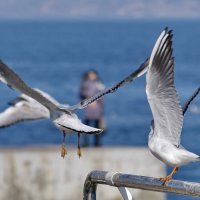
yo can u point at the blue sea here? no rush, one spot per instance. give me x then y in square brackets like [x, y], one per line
[53, 55]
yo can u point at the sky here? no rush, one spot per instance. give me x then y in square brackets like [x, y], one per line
[99, 9]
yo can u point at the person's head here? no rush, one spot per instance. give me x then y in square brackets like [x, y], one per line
[91, 75]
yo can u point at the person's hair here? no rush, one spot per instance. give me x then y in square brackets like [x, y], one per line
[86, 74]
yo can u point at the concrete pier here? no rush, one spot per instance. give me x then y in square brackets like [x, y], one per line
[39, 173]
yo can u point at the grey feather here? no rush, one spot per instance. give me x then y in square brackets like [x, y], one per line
[161, 92]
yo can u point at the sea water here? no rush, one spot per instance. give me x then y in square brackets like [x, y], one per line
[53, 55]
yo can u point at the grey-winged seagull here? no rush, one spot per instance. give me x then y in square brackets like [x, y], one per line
[164, 138]
[63, 117]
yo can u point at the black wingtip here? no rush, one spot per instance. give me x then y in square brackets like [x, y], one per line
[169, 31]
[185, 107]
[10, 103]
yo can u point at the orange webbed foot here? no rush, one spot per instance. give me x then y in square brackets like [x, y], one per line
[169, 177]
[79, 152]
[63, 147]
[63, 151]
[165, 179]
[79, 148]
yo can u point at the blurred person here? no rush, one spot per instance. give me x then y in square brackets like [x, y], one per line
[94, 113]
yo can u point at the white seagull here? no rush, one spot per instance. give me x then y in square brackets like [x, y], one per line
[62, 116]
[164, 137]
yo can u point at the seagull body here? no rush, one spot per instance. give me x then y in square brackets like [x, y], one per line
[62, 116]
[171, 154]
[164, 137]
[71, 123]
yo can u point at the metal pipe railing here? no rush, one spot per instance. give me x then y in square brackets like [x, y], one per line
[139, 182]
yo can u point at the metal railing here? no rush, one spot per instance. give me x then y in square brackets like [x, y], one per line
[139, 182]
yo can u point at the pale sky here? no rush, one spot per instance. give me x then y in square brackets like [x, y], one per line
[99, 9]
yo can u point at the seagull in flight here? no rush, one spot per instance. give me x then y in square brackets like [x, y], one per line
[164, 138]
[62, 116]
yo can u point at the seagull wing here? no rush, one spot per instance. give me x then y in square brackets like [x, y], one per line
[24, 108]
[16, 100]
[185, 107]
[10, 116]
[19, 112]
[161, 92]
[9, 77]
[137, 73]
[47, 96]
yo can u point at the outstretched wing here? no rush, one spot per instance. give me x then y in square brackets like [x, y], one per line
[48, 96]
[24, 108]
[185, 107]
[137, 73]
[9, 77]
[15, 114]
[161, 92]
[10, 116]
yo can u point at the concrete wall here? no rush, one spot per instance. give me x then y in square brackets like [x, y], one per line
[41, 174]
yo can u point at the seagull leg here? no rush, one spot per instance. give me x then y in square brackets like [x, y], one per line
[79, 148]
[63, 148]
[169, 177]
